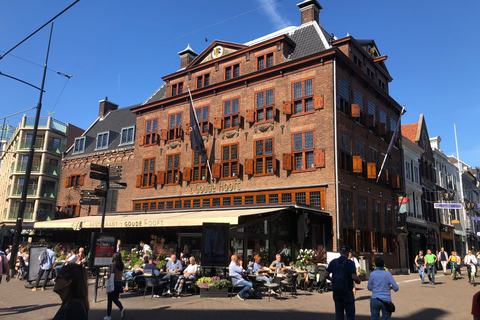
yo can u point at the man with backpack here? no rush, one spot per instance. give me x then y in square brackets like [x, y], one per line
[47, 259]
[343, 275]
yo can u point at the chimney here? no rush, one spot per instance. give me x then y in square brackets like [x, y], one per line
[187, 56]
[309, 10]
[435, 142]
[105, 107]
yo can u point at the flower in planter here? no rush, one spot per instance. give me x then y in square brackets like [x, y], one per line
[303, 255]
[212, 282]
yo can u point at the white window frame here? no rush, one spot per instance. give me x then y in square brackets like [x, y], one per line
[99, 135]
[75, 145]
[125, 130]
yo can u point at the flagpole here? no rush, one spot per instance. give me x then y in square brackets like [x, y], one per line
[390, 146]
[198, 126]
[460, 174]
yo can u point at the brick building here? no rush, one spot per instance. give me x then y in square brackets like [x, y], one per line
[297, 117]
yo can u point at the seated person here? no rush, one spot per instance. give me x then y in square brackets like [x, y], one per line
[81, 258]
[188, 273]
[261, 271]
[236, 273]
[251, 261]
[139, 278]
[71, 258]
[310, 274]
[278, 265]
[173, 265]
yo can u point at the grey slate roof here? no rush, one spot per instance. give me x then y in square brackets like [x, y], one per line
[113, 123]
[158, 95]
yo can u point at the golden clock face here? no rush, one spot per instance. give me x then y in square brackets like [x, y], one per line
[217, 52]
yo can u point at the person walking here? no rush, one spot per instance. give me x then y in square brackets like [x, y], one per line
[470, 261]
[380, 283]
[116, 267]
[420, 264]
[443, 257]
[47, 259]
[71, 284]
[430, 260]
[454, 267]
[343, 275]
[357, 267]
[4, 267]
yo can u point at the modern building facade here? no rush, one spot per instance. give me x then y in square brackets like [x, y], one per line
[49, 146]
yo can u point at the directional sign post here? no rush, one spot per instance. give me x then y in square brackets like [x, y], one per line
[447, 205]
[91, 201]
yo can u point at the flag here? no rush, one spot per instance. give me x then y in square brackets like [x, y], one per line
[196, 140]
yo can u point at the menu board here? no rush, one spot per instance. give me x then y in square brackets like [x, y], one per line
[103, 247]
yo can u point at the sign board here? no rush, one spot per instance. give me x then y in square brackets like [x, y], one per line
[215, 244]
[91, 201]
[87, 193]
[115, 177]
[478, 205]
[103, 247]
[475, 218]
[447, 206]
[118, 186]
[99, 168]
[332, 255]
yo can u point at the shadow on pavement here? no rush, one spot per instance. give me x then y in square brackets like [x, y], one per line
[165, 312]
[25, 309]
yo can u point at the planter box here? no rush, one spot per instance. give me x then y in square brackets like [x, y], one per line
[214, 293]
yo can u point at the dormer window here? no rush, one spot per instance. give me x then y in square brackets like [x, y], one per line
[102, 140]
[177, 88]
[128, 135]
[79, 145]
[265, 61]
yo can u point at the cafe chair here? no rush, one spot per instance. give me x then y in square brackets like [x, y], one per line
[190, 283]
[152, 281]
[272, 286]
[290, 282]
[239, 287]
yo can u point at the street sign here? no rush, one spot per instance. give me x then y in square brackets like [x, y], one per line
[115, 177]
[87, 193]
[98, 176]
[118, 186]
[91, 201]
[475, 218]
[100, 193]
[99, 168]
[447, 206]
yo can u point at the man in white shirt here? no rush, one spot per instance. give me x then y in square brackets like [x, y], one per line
[145, 247]
[443, 257]
[470, 261]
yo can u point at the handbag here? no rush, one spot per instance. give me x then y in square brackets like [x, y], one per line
[110, 283]
[389, 306]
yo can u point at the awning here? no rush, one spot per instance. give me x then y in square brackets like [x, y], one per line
[148, 220]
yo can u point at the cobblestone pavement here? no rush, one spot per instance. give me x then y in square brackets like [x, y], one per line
[446, 300]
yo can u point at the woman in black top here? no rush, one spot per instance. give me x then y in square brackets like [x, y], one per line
[420, 264]
[72, 287]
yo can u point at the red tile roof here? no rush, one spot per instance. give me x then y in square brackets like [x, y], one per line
[409, 131]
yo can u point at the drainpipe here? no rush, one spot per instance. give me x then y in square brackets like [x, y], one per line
[337, 206]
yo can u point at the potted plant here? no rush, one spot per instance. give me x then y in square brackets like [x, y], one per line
[361, 275]
[213, 287]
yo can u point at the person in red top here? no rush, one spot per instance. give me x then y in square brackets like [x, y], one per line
[476, 306]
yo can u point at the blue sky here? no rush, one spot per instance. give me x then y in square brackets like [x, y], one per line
[121, 49]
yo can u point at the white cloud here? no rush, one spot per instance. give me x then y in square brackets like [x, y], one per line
[274, 16]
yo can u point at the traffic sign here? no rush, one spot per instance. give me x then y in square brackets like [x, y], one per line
[100, 192]
[447, 206]
[91, 201]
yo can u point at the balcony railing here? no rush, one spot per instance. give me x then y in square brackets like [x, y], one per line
[57, 148]
[18, 188]
[26, 144]
[13, 213]
[49, 193]
[43, 123]
[22, 166]
[53, 170]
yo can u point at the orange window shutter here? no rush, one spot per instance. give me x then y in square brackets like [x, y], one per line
[216, 170]
[67, 182]
[77, 211]
[81, 180]
[287, 161]
[187, 129]
[250, 116]
[154, 138]
[371, 170]
[163, 134]
[287, 107]
[318, 102]
[274, 164]
[319, 158]
[179, 132]
[357, 164]
[249, 166]
[217, 123]
[138, 182]
[141, 141]
[187, 174]
[161, 177]
[370, 121]
[355, 110]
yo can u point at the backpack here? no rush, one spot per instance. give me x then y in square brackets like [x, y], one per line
[339, 280]
[43, 257]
